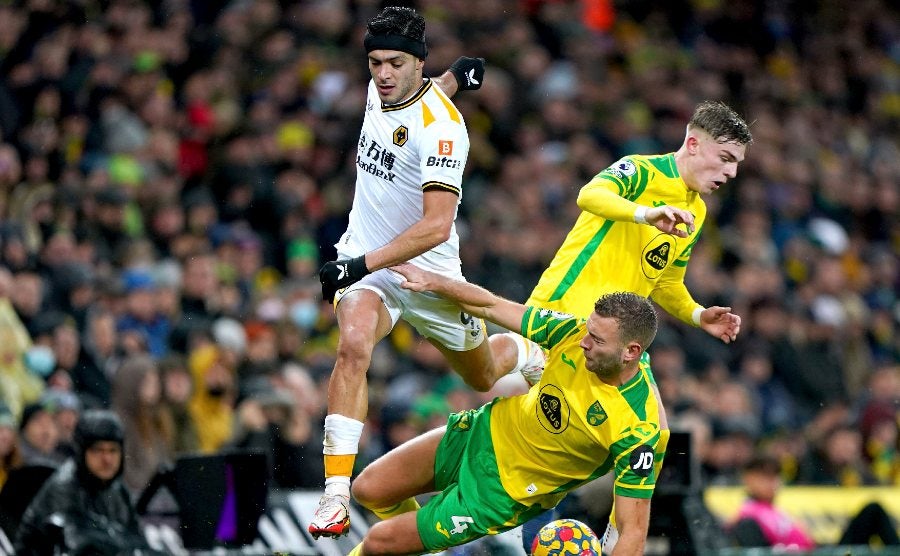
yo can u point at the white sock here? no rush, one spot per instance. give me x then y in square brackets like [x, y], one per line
[522, 347]
[338, 486]
[342, 435]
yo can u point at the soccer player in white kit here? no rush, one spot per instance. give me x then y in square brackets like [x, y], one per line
[411, 154]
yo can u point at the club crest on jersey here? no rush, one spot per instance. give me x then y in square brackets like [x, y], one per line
[553, 409]
[401, 135]
[657, 255]
[596, 415]
[445, 148]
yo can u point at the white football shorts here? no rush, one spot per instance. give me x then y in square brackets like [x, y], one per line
[430, 314]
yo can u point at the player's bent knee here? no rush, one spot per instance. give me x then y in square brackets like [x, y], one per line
[379, 540]
[364, 491]
[355, 348]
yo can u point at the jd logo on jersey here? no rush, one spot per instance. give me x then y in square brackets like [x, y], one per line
[401, 135]
[656, 255]
[553, 409]
[596, 415]
[641, 460]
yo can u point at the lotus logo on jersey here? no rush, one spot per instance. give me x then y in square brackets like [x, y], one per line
[657, 255]
[401, 135]
[596, 415]
[553, 409]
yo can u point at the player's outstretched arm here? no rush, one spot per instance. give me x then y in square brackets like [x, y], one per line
[472, 298]
[465, 74]
[596, 198]
[632, 522]
[721, 323]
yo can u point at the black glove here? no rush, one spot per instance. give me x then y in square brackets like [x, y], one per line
[335, 275]
[469, 73]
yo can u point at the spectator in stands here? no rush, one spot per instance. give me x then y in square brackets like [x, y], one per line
[212, 401]
[137, 399]
[759, 523]
[18, 386]
[40, 437]
[100, 358]
[10, 455]
[84, 506]
[177, 389]
[270, 419]
[143, 324]
[66, 408]
[837, 459]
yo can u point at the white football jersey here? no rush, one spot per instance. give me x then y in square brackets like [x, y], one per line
[404, 150]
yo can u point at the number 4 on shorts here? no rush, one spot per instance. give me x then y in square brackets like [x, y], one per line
[460, 523]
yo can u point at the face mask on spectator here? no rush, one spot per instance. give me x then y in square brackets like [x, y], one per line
[216, 390]
[40, 360]
[304, 313]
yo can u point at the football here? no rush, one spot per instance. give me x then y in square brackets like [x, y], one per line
[565, 537]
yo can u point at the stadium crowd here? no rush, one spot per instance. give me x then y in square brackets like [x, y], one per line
[173, 173]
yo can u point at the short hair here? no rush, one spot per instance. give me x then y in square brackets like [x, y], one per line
[398, 20]
[721, 122]
[634, 314]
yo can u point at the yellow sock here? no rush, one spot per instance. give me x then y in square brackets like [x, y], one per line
[339, 465]
[357, 551]
[408, 505]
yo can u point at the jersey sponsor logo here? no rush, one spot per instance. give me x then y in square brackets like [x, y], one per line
[641, 460]
[401, 135]
[372, 168]
[657, 255]
[596, 415]
[445, 147]
[553, 409]
[443, 162]
[374, 159]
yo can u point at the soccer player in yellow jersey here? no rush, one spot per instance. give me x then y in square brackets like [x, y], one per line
[640, 219]
[593, 411]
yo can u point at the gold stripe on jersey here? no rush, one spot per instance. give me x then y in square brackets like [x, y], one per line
[427, 116]
[454, 113]
[436, 185]
[426, 86]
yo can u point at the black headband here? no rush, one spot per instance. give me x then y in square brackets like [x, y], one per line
[395, 42]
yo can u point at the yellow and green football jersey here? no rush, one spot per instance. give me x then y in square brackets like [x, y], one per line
[572, 427]
[601, 256]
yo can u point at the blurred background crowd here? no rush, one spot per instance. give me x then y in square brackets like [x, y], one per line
[173, 173]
